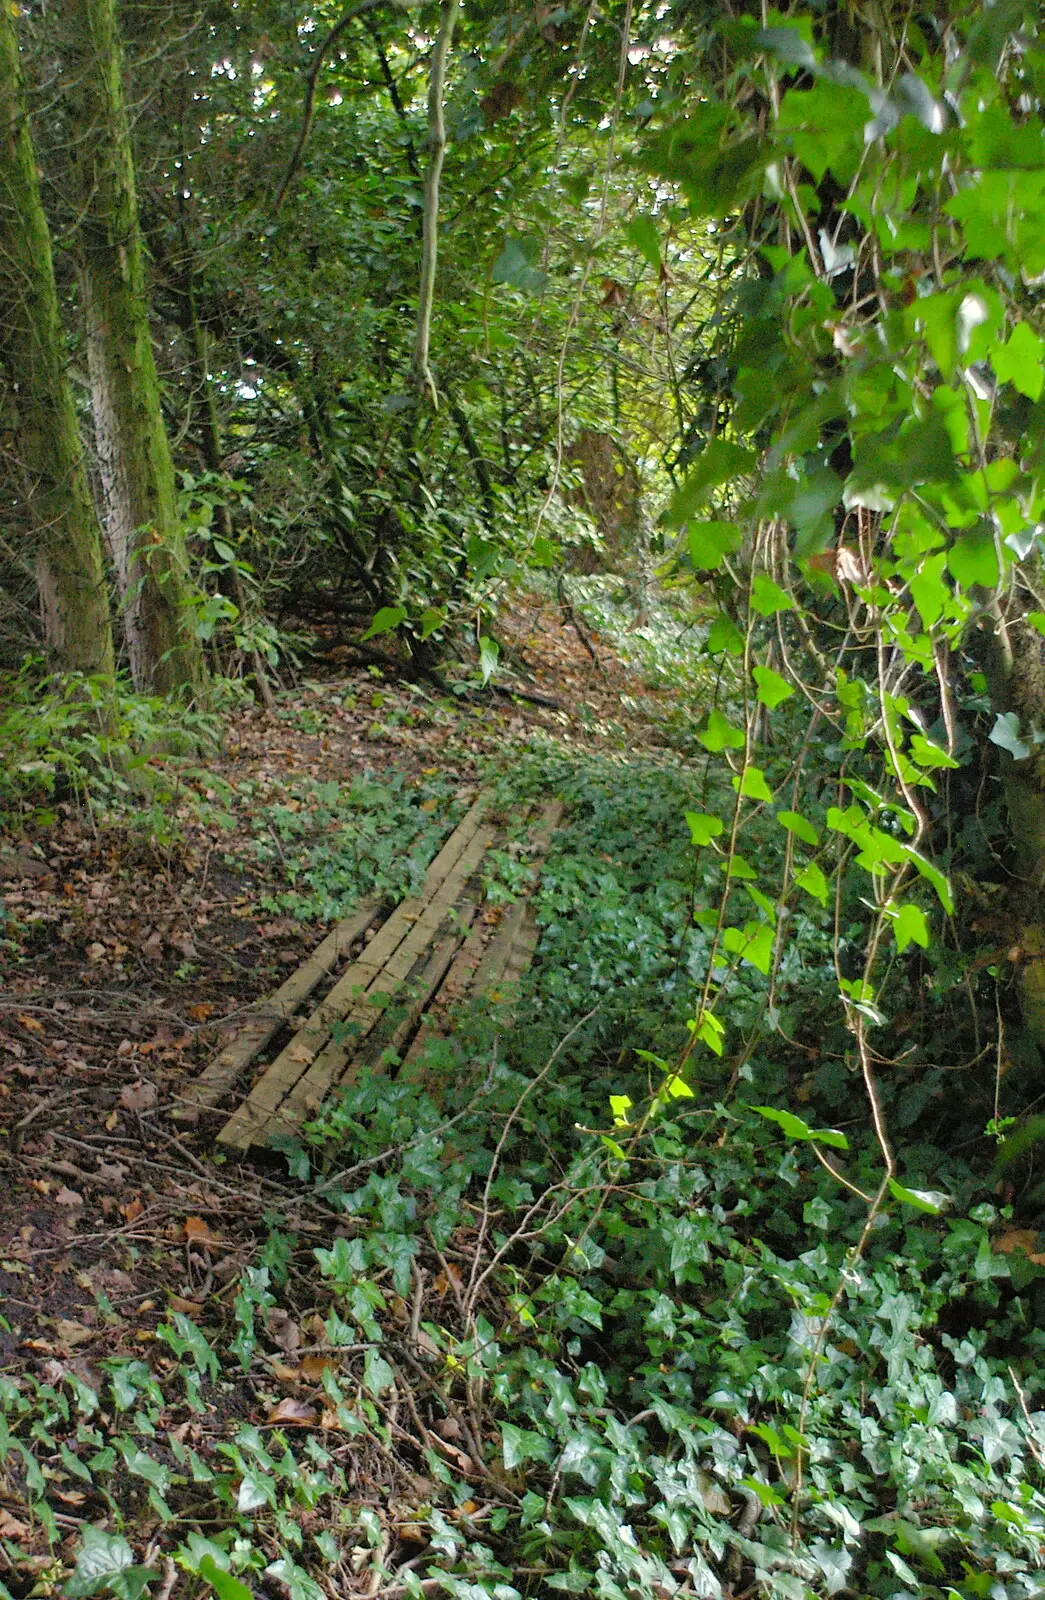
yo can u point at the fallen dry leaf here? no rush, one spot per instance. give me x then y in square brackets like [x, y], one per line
[312, 1368]
[283, 1330]
[68, 1197]
[461, 1461]
[72, 1332]
[190, 1308]
[11, 1528]
[1024, 1240]
[138, 1096]
[133, 1209]
[452, 1275]
[294, 1412]
[111, 1173]
[198, 1232]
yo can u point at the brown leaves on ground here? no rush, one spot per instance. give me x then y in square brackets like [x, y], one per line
[293, 1413]
[138, 1096]
[1022, 1241]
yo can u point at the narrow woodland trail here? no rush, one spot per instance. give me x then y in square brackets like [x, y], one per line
[126, 959]
[127, 1233]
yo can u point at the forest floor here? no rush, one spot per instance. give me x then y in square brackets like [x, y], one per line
[124, 957]
[540, 1321]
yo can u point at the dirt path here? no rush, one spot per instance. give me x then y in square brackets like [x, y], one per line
[123, 959]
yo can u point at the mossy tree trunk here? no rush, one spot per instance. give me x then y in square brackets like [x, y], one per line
[69, 566]
[134, 458]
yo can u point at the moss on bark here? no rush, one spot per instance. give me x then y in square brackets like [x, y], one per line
[134, 458]
[69, 565]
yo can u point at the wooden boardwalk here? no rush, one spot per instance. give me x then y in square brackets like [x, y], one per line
[402, 974]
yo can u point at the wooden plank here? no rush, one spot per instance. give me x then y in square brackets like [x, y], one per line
[297, 1069]
[451, 850]
[265, 1019]
[484, 962]
[341, 1063]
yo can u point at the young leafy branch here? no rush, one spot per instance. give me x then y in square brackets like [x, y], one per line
[430, 245]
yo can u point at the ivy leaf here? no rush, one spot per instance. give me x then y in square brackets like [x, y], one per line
[724, 637]
[620, 1105]
[753, 943]
[718, 462]
[387, 618]
[931, 874]
[489, 652]
[768, 598]
[772, 688]
[795, 1128]
[515, 266]
[1019, 361]
[710, 542]
[225, 1586]
[519, 1445]
[720, 734]
[930, 755]
[703, 827]
[752, 784]
[643, 234]
[105, 1561]
[256, 1490]
[909, 925]
[928, 590]
[377, 1374]
[710, 1031]
[800, 826]
[932, 1201]
[1006, 734]
[973, 559]
[812, 880]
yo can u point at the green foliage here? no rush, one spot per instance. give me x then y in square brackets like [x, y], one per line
[329, 845]
[99, 745]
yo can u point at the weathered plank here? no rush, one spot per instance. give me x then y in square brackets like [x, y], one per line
[386, 960]
[264, 1020]
[328, 1067]
[486, 963]
[433, 952]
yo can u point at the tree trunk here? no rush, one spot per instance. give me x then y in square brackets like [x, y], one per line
[69, 568]
[134, 458]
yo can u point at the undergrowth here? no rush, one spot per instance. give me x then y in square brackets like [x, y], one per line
[95, 743]
[568, 1330]
[545, 1315]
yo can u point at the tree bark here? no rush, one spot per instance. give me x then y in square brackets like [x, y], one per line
[69, 566]
[134, 459]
